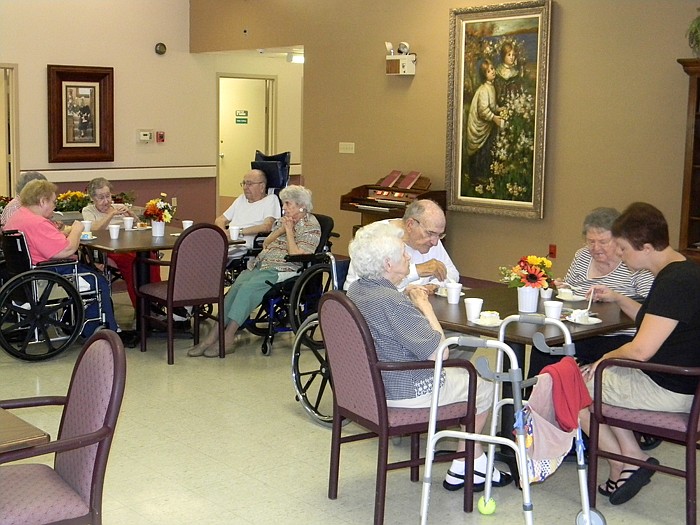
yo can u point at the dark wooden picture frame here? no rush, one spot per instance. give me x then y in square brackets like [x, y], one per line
[81, 113]
[497, 107]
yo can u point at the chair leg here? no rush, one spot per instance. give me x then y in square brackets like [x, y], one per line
[380, 488]
[415, 454]
[691, 495]
[143, 307]
[171, 344]
[335, 456]
[222, 329]
[593, 437]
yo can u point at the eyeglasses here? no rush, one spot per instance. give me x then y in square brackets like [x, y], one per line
[603, 243]
[432, 234]
[103, 196]
[247, 183]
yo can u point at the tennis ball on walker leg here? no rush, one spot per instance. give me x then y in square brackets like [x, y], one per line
[486, 507]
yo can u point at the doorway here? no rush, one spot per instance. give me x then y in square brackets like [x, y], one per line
[246, 124]
[9, 131]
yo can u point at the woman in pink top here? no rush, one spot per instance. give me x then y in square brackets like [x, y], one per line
[46, 242]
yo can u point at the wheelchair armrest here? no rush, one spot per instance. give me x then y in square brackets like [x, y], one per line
[306, 258]
[154, 261]
[56, 262]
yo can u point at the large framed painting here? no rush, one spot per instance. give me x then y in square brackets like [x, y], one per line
[497, 108]
[81, 113]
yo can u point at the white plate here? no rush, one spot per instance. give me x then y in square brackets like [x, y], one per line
[92, 238]
[491, 324]
[591, 320]
[573, 298]
[442, 292]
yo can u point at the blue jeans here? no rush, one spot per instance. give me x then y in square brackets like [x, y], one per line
[92, 309]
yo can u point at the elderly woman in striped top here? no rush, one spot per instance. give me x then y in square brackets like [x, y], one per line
[598, 263]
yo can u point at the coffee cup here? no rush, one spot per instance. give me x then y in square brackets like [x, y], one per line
[235, 232]
[113, 231]
[453, 292]
[552, 309]
[187, 224]
[128, 223]
[87, 226]
[473, 306]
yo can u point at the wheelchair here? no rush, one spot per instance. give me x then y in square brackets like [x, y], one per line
[41, 311]
[311, 374]
[287, 304]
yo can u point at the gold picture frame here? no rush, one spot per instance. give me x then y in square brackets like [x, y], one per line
[81, 113]
[497, 107]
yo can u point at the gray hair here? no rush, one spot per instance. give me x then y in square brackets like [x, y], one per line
[373, 246]
[299, 195]
[418, 208]
[26, 177]
[600, 219]
[97, 184]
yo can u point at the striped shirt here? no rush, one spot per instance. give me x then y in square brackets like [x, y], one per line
[307, 234]
[621, 279]
[400, 332]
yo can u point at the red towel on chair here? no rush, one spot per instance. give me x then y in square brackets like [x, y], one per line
[569, 392]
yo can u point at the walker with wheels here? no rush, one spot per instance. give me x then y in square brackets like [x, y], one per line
[486, 503]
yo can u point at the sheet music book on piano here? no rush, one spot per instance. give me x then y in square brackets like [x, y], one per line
[391, 179]
[409, 180]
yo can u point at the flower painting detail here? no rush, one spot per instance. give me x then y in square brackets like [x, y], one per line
[497, 155]
[499, 58]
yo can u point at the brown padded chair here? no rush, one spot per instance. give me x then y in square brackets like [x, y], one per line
[360, 397]
[70, 493]
[196, 279]
[678, 428]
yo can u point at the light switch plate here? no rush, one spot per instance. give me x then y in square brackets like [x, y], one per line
[346, 147]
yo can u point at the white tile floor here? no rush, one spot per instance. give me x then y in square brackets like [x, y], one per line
[222, 441]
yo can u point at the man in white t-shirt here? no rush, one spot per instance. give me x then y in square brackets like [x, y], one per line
[423, 225]
[254, 212]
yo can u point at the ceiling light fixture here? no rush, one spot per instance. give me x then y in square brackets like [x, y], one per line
[294, 58]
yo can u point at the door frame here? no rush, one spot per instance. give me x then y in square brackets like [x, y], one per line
[10, 120]
[270, 120]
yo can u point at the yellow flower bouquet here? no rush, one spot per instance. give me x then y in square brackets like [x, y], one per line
[159, 209]
[531, 271]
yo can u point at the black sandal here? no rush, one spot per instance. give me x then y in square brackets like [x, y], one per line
[607, 489]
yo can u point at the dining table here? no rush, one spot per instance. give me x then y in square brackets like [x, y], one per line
[16, 433]
[141, 241]
[504, 300]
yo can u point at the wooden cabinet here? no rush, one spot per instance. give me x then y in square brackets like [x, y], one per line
[689, 243]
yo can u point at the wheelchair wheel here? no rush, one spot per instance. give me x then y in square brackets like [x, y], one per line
[311, 374]
[307, 291]
[41, 314]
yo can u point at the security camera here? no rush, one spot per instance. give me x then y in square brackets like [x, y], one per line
[389, 48]
[403, 48]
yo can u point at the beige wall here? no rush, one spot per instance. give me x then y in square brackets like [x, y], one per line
[176, 92]
[616, 114]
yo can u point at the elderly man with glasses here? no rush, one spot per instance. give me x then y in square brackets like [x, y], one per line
[423, 226]
[254, 212]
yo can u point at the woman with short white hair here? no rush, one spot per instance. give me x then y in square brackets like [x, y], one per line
[404, 328]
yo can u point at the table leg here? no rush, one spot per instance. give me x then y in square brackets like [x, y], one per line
[141, 277]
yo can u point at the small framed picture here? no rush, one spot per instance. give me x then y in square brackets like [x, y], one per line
[81, 113]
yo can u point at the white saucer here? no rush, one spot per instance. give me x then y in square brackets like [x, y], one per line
[442, 292]
[491, 324]
[591, 320]
[572, 299]
[92, 238]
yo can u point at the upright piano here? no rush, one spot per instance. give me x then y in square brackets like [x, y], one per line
[388, 198]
